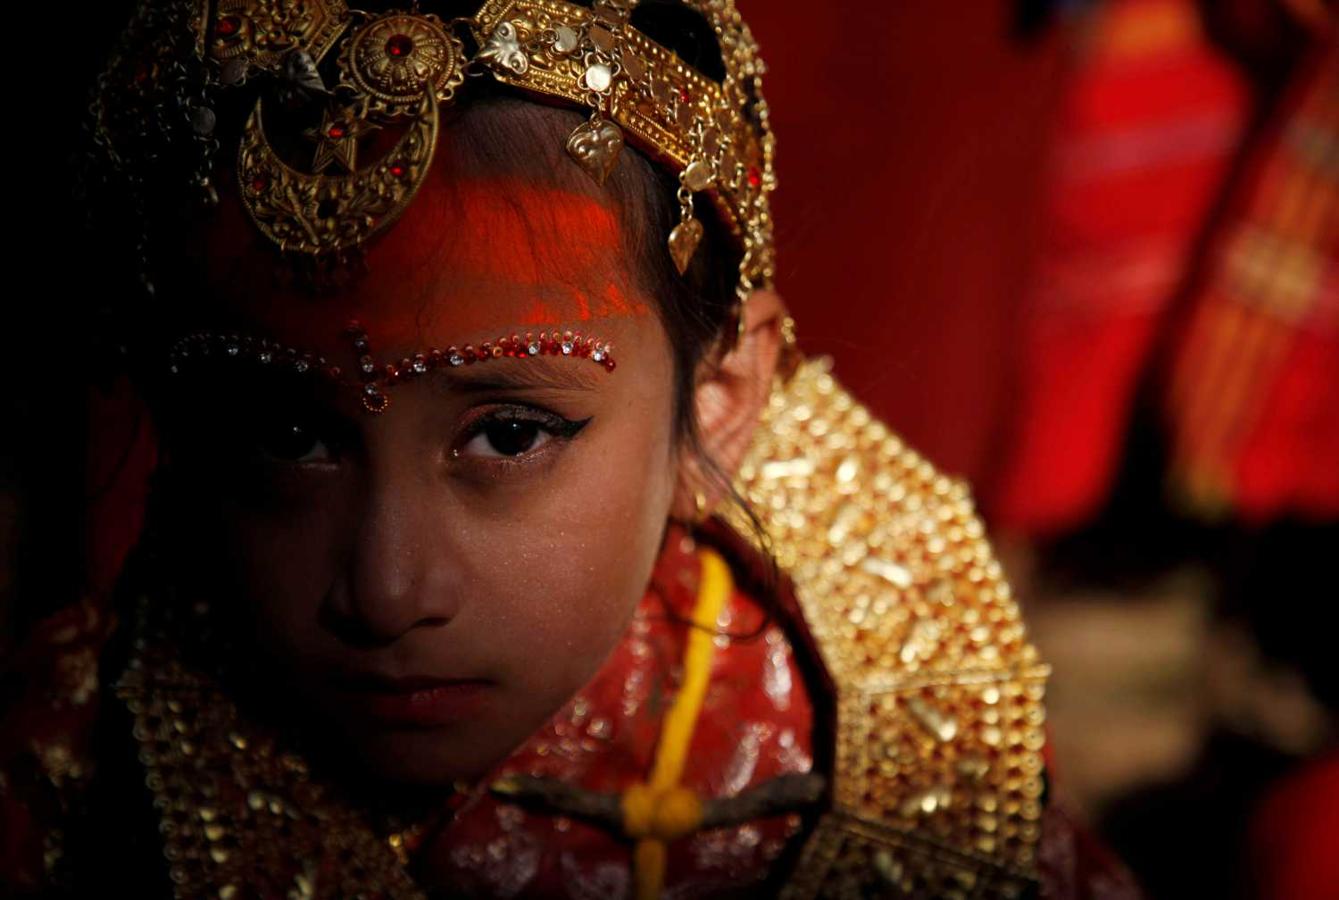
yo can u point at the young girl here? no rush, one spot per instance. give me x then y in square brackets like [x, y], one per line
[502, 543]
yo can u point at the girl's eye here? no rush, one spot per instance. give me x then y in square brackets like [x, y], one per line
[292, 441]
[509, 436]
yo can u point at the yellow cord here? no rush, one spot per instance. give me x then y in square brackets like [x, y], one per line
[660, 811]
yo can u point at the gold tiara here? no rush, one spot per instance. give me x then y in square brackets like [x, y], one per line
[394, 71]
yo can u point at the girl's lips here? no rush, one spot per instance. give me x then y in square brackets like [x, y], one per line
[416, 702]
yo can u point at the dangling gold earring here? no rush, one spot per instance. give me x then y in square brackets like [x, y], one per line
[700, 502]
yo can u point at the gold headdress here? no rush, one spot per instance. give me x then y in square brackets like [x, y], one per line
[348, 74]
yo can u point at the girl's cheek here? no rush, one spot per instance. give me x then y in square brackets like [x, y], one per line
[285, 566]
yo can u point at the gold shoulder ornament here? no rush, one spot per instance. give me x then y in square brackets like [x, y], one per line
[937, 786]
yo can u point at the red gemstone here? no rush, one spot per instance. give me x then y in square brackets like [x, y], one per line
[399, 45]
[227, 26]
[755, 177]
[684, 96]
[336, 131]
[609, 364]
[398, 169]
[259, 183]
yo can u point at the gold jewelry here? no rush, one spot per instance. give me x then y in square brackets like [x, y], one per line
[937, 780]
[700, 505]
[395, 70]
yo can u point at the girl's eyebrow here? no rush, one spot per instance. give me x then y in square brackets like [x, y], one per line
[528, 373]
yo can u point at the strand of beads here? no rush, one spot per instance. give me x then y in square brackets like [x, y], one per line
[377, 377]
[204, 345]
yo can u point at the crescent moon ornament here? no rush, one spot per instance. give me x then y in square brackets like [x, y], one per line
[320, 214]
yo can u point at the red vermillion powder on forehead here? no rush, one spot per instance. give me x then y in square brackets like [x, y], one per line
[469, 256]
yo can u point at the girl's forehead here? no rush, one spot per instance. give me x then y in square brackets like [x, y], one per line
[471, 258]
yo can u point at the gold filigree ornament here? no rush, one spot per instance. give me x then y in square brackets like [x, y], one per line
[503, 48]
[256, 35]
[318, 213]
[337, 139]
[716, 134]
[595, 146]
[389, 61]
[398, 68]
[158, 103]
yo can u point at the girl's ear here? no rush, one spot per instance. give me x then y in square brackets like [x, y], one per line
[728, 400]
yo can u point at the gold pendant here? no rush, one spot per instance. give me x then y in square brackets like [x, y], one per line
[595, 145]
[317, 213]
[683, 241]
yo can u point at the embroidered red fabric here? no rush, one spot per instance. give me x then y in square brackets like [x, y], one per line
[756, 723]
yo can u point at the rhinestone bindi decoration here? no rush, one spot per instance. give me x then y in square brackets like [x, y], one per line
[376, 376]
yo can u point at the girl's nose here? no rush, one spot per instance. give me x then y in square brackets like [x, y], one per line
[398, 577]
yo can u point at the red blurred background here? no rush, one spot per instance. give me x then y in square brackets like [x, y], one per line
[994, 221]
[1086, 255]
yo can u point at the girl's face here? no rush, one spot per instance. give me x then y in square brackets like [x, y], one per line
[433, 582]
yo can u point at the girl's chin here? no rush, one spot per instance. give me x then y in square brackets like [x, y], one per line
[439, 757]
